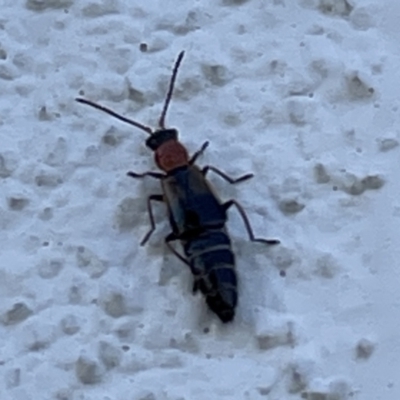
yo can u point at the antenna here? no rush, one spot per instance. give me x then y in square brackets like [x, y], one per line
[178, 61]
[115, 115]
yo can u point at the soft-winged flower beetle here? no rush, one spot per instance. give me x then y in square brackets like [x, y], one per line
[196, 215]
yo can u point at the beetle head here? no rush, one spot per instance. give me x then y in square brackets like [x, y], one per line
[160, 137]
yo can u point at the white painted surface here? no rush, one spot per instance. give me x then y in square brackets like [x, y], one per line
[304, 93]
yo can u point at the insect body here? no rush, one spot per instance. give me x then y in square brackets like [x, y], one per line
[196, 215]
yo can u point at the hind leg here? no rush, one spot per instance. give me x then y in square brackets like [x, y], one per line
[247, 223]
[170, 238]
[195, 286]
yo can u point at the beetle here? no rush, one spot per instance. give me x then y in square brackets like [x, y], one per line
[196, 214]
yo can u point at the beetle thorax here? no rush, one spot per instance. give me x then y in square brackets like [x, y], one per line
[170, 155]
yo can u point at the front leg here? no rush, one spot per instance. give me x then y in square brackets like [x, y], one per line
[156, 175]
[153, 197]
[198, 153]
[232, 181]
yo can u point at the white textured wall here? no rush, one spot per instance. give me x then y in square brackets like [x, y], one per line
[304, 93]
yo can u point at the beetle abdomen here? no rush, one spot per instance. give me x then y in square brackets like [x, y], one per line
[222, 298]
[213, 266]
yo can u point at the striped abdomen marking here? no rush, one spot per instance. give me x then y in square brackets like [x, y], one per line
[213, 266]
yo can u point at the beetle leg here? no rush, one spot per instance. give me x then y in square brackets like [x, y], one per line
[156, 175]
[198, 153]
[247, 223]
[195, 287]
[170, 238]
[225, 176]
[153, 197]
